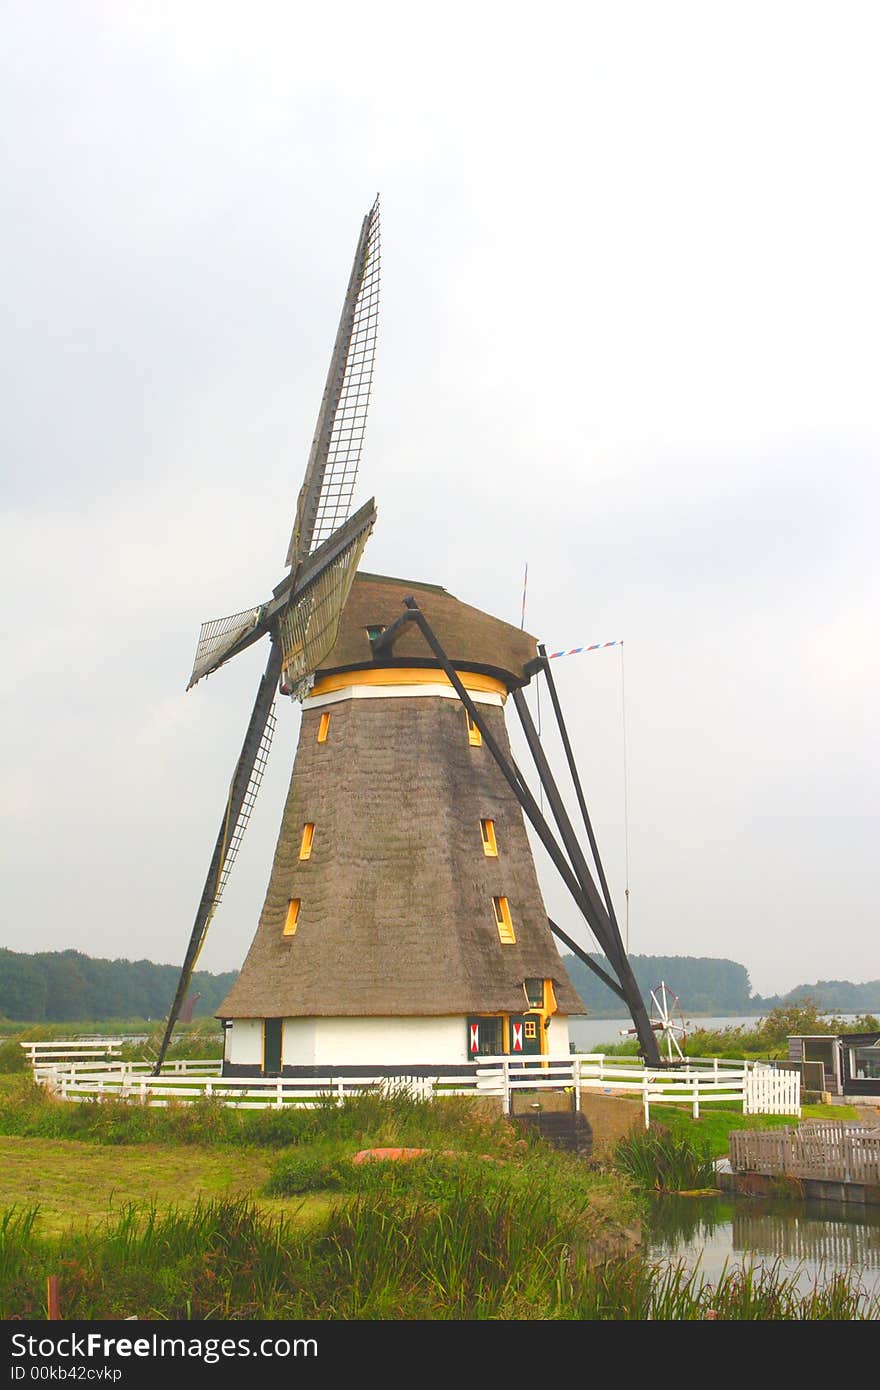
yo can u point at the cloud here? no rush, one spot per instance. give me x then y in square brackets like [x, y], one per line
[629, 301]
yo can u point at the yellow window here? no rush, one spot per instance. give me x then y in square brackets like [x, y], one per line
[305, 844]
[324, 726]
[487, 831]
[531, 1029]
[503, 922]
[292, 917]
[474, 736]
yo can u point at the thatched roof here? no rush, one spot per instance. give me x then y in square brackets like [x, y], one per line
[396, 912]
[473, 640]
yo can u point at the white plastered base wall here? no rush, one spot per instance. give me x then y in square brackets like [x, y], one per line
[389, 1042]
[243, 1042]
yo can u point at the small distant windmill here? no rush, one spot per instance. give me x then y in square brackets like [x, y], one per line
[667, 1021]
[403, 923]
[301, 617]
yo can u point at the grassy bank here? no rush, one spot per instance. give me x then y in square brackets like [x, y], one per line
[713, 1128]
[203, 1212]
[479, 1252]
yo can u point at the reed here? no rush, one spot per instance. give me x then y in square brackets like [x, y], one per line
[664, 1161]
[478, 1253]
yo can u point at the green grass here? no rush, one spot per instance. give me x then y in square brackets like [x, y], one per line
[372, 1119]
[716, 1121]
[73, 1188]
[480, 1253]
[204, 1212]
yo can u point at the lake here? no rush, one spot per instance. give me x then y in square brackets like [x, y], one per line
[809, 1240]
[586, 1033]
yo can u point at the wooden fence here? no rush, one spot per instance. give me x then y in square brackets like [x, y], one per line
[693, 1085]
[827, 1149]
[48, 1057]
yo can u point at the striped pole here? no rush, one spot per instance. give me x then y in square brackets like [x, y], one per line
[573, 651]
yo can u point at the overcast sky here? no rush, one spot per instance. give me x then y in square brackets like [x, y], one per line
[629, 336]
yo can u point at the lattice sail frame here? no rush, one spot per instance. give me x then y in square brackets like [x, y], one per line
[310, 624]
[220, 635]
[235, 833]
[324, 502]
[350, 420]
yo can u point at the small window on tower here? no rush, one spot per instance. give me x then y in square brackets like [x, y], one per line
[474, 736]
[292, 917]
[490, 846]
[534, 993]
[503, 921]
[305, 844]
[324, 726]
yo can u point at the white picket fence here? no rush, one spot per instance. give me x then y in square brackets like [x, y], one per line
[760, 1089]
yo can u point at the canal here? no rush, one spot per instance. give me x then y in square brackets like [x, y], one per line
[808, 1241]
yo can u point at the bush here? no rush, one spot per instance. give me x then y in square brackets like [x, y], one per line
[12, 1057]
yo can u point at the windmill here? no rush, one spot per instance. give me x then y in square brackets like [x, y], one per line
[403, 925]
[667, 1021]
[302, 615]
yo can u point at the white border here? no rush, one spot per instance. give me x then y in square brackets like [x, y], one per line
[397, 692]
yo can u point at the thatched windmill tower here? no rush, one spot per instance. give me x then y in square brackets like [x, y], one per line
[403, 924]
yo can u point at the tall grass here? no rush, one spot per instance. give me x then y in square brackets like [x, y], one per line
[665, 1162]
[373, 1119]
[477, 1253]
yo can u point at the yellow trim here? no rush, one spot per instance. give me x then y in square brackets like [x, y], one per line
[548, 1008]
[292, 917]
[487, 834]
[324, 726]
[407, 675]
[503, 922]
[475, 738]
[305, 844]
[550, 1005]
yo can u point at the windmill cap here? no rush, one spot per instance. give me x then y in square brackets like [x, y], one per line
[473, 640]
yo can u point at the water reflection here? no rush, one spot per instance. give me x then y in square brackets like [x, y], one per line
[809, 1239]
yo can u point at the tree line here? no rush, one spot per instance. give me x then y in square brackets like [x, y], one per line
[707, 985]
[67, 986]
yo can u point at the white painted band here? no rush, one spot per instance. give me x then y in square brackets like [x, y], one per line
[397, 692]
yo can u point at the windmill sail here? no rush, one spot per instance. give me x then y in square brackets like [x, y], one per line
[325, 497]
[219, 639]
[310, 622]
[302, 616]
[242, 794]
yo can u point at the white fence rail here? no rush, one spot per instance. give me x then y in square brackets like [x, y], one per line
[105, 1056]
[759, 1089]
